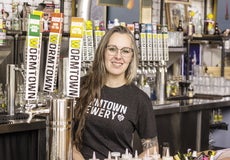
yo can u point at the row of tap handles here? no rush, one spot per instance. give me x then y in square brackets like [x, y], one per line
[148, 69]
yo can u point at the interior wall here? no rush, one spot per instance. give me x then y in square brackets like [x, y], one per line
[221, 137]
[124, 14]
[221, 13]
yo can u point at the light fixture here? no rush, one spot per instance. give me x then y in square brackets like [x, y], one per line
[130, 4]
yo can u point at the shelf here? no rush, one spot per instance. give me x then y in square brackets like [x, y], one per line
[177, 49]
[215, 41]
[222, 126]
[211, 37]
[175, 54]
[24, 33]
[227, 51]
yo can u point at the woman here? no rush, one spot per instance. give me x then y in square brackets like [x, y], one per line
[110, 107]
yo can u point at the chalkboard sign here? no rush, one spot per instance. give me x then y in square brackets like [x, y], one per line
[119, 3]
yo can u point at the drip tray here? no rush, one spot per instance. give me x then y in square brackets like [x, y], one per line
[16, 118]
[197, 96]
[5, 122]
[207, 96]
[8, 119]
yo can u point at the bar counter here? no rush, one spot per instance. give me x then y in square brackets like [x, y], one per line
[191, 104]
[185, 123]
[21, 126]
[182, 124]
[20, 139]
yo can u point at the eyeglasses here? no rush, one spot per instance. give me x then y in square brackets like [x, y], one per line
[125, 51]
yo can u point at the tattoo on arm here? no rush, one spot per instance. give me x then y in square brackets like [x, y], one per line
[149, 143]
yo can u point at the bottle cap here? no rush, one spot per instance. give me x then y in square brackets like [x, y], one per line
[94, 157]
[127, 155]
[109, 156]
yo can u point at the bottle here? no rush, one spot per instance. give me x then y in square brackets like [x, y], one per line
[215, 117]
[109, 157]
[94, 157]
[194, 154]
[191, 28]
[2, 30]
[219, 115]
[199, 26]
[217, 30]
[116, 155]
[136, 156]
[25, 14]
[180, 28]
[190, 91]
[167, 156]
[16, 19]
[2, 99]
[19, 98]
[126, 155]
[144, 85]
[116, 22]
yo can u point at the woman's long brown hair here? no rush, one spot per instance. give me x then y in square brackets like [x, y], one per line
[95, 79]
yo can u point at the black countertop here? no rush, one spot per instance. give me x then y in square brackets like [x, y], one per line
[8, 125]
[18, 123]
[192, 104]
[22, 125]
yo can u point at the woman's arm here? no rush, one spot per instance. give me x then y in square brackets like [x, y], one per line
[76, 154]
[150, 145]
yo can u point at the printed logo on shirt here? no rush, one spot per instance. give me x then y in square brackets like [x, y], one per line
[107, 109]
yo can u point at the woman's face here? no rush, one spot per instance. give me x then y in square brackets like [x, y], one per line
[118, 54]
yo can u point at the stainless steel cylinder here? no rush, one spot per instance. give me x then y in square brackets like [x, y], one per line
[60, 129]
[10, 80]
[62, 83]
[83, 10]
[161, 80]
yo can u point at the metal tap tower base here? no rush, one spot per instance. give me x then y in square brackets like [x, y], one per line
[59, 129]
[161, 71]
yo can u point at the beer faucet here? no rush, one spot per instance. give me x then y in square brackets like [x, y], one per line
[11, 80]
[36, 109]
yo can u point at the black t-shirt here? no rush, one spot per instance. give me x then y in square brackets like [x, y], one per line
[111, 121]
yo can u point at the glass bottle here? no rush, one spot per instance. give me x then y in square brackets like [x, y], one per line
[199, 25]
[16, 19]
[220, 115]
[19, 99]
[217, 31]
[25, 14]
[2, 30]
[180, 28]
[191, 28]
[2, 99]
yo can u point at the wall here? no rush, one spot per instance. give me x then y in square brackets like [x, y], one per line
[124, 14]
[221, 137]
[221, 11]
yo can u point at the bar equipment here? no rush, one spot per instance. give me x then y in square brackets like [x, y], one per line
[161, 71]
[57, 108]
[160, 57]
[183, 85]
[154, 56]
[84, 9]
[10, 79]
[60, 129]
